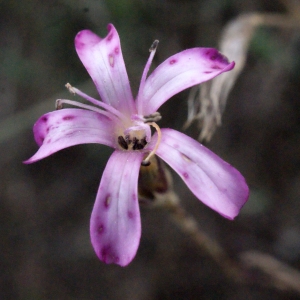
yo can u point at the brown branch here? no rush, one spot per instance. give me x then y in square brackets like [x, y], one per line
[252, 268]
[281, 275]
[208, 245]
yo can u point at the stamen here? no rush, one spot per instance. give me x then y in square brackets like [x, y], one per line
[154, 46]
[127, 139]
[146, 70]
[122, 142]
[155, 117]
[135, 142]
[146, 161]
[73, 90]
[70, 88]
[59, 105]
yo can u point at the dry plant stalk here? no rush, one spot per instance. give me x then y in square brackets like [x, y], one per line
[206, 104]
[242, 269]
[280, 275]
[276, 274]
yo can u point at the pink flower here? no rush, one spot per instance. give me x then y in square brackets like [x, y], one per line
[123, 123]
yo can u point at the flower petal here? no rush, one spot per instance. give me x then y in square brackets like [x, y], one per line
[216, 183]
[67, 127]
[104, 62]
[115, 222]
[179, 72]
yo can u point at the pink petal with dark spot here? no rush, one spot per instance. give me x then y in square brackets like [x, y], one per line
[104, 62]
[115, 222]
[60, 129]
[213, 181]
[179, 72]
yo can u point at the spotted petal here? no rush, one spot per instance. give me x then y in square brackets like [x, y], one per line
[179, 72]
[104, 62]
[115, 222]
[60, 129]
[216, 183]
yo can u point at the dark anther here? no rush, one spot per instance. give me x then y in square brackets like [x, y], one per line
[132, 144]
[58, 104]
[143, 142]
[127, 139]
[154, 45]
[135, 142]
[122, 142]
[145, 163]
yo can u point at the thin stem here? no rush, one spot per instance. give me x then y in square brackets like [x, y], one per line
[210, 246]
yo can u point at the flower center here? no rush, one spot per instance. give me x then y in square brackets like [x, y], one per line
[132, 143]
[137, 137]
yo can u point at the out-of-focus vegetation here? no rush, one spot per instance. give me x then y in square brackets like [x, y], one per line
[45, 207]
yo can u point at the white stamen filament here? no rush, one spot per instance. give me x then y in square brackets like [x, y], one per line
[60, 102]
[146, 70]
[107, 107]
[147, 159]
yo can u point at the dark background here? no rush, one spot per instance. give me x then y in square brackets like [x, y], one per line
[45, 251]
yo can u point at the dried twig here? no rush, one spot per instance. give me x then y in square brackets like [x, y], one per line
[207, 102]
[156, 191]
[280, 275]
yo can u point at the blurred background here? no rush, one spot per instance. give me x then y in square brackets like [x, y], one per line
[45, 250]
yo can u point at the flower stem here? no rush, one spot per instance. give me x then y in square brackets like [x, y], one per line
[210, 246]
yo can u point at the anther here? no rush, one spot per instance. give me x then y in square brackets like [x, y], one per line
[154, 46]
[58, 104]
[143, 142]
[135, 143]
[127, 139]
[155, 117]
[122, 142]
[70, 88]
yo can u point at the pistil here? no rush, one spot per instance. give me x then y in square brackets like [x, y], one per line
[146, 161]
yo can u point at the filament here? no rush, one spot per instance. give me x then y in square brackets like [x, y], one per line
[107, 107]
[59, 105]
